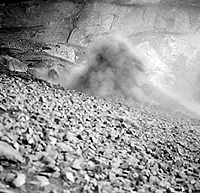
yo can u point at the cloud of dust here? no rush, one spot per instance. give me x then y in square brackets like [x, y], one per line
[112, 68]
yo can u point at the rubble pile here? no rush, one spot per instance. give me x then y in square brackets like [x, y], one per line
[58, 140]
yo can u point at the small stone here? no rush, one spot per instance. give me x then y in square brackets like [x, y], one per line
[61, 157]
[10, 177]
[63, 147]
[16, 146]
[154, 179]
[47, 160]
[87, 178]
[71, 137]
[91, 165]
[66, 191]
[43, 180]
[77, 164]
[142, 190]
[193, 181]
[112, 176]
[105, 188]
[116, 162]
[33, 157]
[56, 174]
[172, 190]
[9, 153]
[53, 140]
[31, 141]
[160, 191]
[70, 176]
[20, 180]
[1, 169]
[197, 186]
[32, 169]
[42, 99]
[164, 183]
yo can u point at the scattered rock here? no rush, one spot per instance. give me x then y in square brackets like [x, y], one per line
[20, 180]
[9, 153]
[9, 177]
[56, 174]
[43, 181]
[77, 164]
[1, 169]
[70, 176]
[101, 153]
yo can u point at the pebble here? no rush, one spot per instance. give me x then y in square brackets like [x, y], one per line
[20, 180]
[1, 169]
[70, 176]
[56, 174]
[10, 177]
[197, 185]
[77, 164]
[43, 181]
[9, 153]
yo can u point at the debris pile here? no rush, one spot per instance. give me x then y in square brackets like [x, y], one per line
[58, 140]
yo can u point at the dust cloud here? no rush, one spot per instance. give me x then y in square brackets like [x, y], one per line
[112, 68]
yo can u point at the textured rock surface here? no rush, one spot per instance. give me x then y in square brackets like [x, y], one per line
[76, 143]
[78, 22]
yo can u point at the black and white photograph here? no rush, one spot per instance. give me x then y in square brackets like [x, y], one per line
[100, 96]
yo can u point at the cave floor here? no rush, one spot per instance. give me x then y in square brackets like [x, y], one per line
[57, 140]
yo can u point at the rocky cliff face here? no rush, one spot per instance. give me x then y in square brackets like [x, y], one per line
[78, 22]
[165, 32]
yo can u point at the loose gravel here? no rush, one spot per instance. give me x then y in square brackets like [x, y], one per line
[64, 141]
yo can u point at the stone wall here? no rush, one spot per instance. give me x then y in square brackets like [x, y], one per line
[78, 22]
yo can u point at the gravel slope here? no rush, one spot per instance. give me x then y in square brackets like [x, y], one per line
[75, 143]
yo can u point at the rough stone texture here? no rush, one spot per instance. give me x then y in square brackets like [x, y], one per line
[77, 23]
[130, 20]
[89, 143]
[45, 21]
